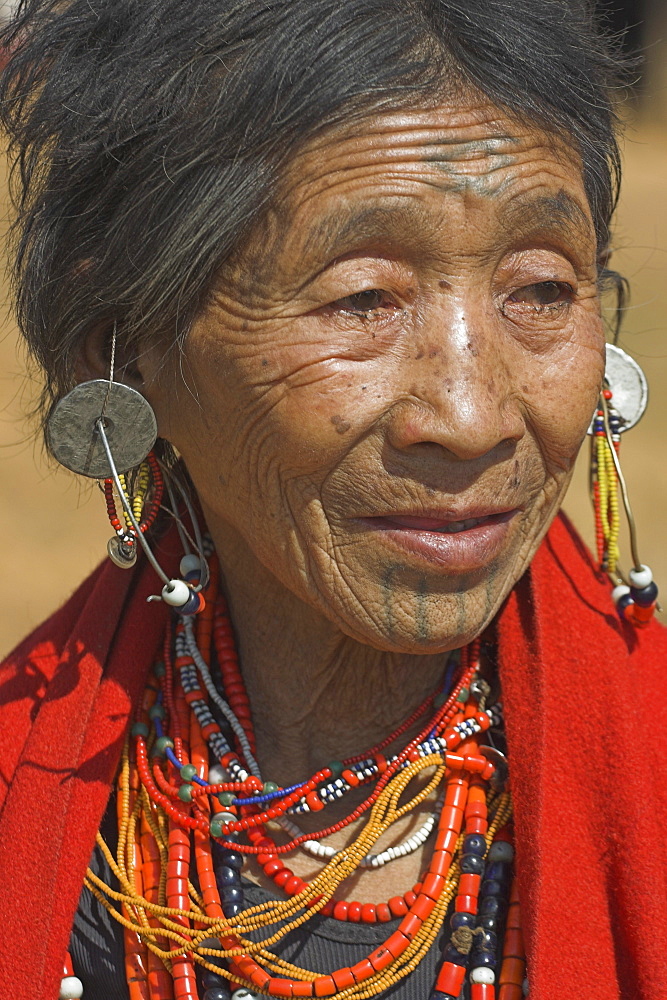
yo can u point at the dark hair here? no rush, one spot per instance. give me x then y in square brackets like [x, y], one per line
[148, 135]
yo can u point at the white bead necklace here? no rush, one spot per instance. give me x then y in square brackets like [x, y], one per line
[317, 849]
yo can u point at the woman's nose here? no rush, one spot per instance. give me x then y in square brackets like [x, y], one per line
[461, 395]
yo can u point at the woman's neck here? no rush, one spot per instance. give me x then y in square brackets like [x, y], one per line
[316, 694]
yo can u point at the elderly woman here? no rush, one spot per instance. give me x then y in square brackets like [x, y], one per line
[362, 720]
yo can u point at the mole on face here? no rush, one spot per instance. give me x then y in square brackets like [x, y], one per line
[342, 426]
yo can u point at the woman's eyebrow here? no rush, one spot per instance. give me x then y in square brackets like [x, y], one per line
[560, 213]
[333, 232]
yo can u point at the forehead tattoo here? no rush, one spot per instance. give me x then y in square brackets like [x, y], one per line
[487, 177]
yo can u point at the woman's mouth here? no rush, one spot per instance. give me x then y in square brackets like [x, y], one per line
[461, 544]
[443, 526]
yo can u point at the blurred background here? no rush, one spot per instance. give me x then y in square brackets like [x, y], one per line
[54, 526]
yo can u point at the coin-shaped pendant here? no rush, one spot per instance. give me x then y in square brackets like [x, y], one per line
[628, 386]
[121, 553]
[129, 424]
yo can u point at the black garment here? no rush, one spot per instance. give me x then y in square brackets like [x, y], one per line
[324, 944]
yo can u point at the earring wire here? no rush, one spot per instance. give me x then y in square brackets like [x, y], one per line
[170, 477]
[198, 541]
[127, 507]
[112, 365]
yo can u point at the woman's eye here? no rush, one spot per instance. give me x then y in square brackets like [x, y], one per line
[362, 302]
[542, 294]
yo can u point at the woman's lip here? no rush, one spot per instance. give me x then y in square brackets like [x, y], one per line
[462, 550]
[465, 521]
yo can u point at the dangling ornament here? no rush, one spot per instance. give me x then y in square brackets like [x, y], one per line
[106, 430]
[622, 404]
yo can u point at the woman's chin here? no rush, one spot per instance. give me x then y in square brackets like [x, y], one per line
[428, 593]
[410, 620]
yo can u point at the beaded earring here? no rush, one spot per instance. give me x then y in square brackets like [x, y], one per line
[106, 430]
[144, 488]
[621, 405]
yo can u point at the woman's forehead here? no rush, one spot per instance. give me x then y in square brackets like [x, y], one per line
[410, 171]
[471, 133]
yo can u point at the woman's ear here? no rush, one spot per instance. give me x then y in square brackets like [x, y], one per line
[142, 366]
[94, 358]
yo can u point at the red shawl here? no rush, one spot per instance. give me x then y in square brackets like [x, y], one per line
[586, 718]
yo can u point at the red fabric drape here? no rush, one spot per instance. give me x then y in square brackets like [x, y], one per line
[586, 719]
[585, 712]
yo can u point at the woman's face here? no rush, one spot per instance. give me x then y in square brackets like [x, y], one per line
[385, 394]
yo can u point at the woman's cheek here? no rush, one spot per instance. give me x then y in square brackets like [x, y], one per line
[323, 407]
[561, 403]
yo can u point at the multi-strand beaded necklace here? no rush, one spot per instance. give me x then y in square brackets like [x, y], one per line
[194, 811]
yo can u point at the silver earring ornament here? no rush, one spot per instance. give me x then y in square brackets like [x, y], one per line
[622, 404]
[106, 430]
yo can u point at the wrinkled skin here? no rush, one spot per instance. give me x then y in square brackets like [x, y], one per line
[414, 329]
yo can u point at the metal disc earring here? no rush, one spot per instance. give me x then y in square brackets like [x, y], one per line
[129, 424]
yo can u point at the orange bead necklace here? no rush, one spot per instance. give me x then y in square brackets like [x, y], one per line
[193, 809]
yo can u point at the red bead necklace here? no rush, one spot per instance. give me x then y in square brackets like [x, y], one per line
[171, 817]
